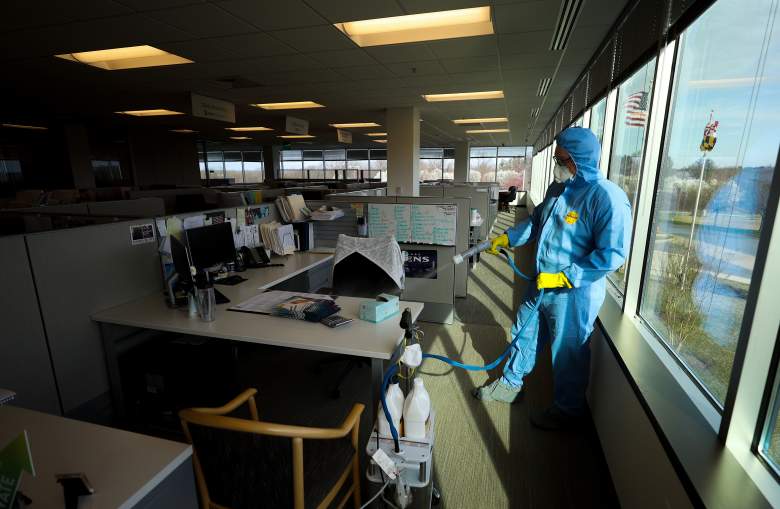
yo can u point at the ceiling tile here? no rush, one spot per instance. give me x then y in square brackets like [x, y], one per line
[30, 13]
[525, 42]
[253, 45]
[283, 78]
[287, 14]
[203, 20]
[421, 68]
[312, 39]
[526, 16]
[470, 64]
[401, 53]
[465, 47]
[343, 58]
[338, 11]
[544, 58]
[416, 6]
[365, 72]
[149, 5]
[601, 12]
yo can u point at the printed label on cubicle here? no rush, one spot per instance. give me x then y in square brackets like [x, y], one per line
[420, 263]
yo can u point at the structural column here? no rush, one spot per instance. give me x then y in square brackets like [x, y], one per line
[403, 151]
[272, 162]
[462, 161]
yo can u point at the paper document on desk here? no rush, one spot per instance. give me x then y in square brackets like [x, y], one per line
[265, 303]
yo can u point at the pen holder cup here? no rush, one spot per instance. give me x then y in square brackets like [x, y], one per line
[207, 304]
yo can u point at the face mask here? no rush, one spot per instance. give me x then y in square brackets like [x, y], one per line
[561, 173]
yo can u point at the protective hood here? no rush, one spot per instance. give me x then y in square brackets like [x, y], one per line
[584, 149]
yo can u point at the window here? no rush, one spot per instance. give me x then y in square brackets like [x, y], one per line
[628, 141]
[597, 116]
[11, 176]
[107, 173]
[242, 167]
[511, 167]
[711, 197]
[431, 163]
[233, 166]
[770, 448]
[505, 165]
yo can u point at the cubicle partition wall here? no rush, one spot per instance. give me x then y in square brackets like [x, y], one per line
[24, 357]
[437, 289]
[77, 272]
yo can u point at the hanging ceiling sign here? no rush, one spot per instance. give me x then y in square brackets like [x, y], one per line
[296, 125]
[344, 136]
[213, 109]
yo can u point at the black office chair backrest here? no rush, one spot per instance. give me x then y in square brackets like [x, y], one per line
[512, 194]
[357, 276]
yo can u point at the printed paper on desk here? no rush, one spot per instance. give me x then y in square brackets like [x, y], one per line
[252, 236]
[193, 222]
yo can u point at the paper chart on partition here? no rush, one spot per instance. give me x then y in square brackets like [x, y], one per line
[434, 224]
[389, 219]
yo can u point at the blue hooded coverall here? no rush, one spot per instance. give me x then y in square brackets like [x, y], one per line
[583, 229]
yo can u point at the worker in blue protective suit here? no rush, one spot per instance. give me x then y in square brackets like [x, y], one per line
[582, 229]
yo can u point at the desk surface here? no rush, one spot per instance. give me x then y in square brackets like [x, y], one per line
[358, 338]
[123, 467]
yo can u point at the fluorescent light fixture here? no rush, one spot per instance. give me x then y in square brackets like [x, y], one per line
[377, 134]
[427, 26]
[296, 136]
[294, 105]
[131, 57]
[248, 129]
[352, 125]
[464, 96]
[240, 138]
[380, 141]
[22, 126]
[492, 120]
[486, 131]
[159, 112]
[183, 131]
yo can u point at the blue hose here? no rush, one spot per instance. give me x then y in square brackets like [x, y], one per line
[471, 367]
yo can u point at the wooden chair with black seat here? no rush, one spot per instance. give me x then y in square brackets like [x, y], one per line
[243, 463]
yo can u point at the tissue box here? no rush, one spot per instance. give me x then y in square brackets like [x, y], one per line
[382, 308]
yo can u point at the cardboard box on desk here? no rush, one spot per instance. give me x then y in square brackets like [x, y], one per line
[381, 309]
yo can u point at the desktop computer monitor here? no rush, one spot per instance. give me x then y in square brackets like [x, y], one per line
[180, 260]
[211, 245]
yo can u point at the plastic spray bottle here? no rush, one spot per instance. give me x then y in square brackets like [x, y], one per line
[417, 408]
[395, 403]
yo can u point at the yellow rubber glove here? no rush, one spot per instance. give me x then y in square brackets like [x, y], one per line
[498, 242]
[548, 280]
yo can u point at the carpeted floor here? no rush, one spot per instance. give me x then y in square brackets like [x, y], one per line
[489, 455]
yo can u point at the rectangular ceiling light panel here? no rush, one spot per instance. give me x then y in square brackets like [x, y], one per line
[381, 135]
[486, 131]
[248, 129]
[491, 120]
[159, 112]
[23, 126]
[427, 26]
[131, 57]
[296, 136]
[295, 105]
[353, 125]
[464, 96]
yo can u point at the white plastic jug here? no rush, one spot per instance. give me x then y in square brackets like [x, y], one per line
[417, 408]
[394, 397]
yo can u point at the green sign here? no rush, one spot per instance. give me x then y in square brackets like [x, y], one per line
[14, 459]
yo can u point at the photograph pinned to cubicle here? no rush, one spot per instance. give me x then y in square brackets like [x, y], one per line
[142, 234]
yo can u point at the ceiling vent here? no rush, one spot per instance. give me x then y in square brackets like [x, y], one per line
[566, 18]
[544, 84]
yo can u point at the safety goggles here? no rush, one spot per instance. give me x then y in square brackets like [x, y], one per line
[561, 160]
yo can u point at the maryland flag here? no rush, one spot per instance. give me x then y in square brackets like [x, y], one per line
[710, 136]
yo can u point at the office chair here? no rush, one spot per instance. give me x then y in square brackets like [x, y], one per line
[355, 276]
[250, 463]
[505, 198]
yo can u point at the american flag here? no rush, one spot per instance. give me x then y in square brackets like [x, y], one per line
[636, 109]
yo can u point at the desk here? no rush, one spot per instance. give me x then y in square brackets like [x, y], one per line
[377, 342]
[125, 469]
